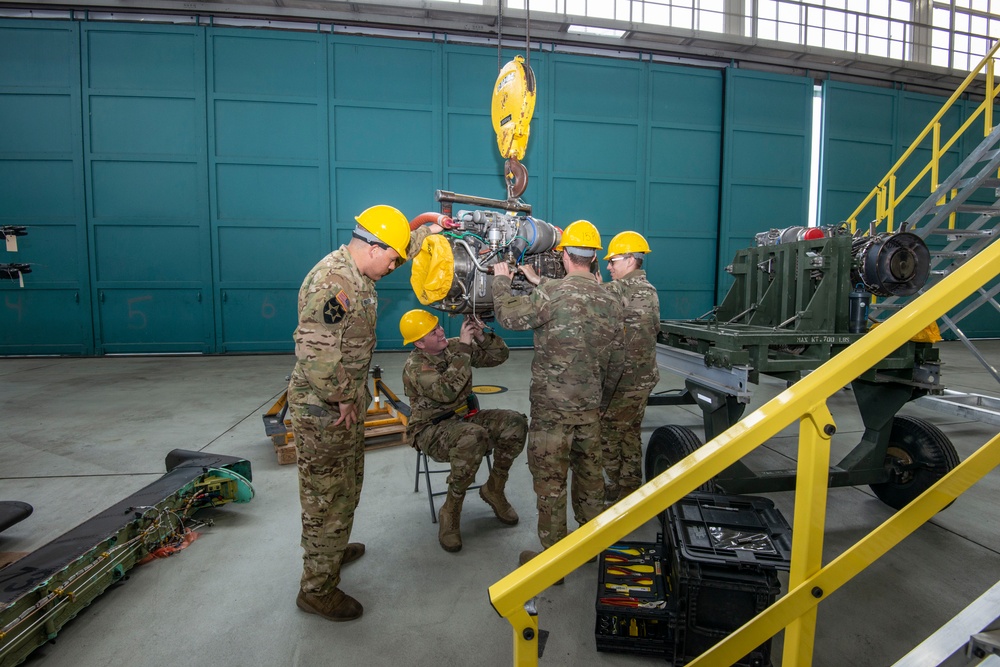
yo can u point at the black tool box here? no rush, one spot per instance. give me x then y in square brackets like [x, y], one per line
[634, 614]
[724, 553]
[713, 569]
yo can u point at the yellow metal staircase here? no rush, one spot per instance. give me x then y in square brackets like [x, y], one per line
[976, 178]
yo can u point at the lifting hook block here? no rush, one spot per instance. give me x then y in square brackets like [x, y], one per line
[516, 175]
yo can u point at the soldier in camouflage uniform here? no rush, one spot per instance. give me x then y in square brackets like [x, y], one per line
[578, 359]
[328, 397]
[621, 442]
[437, 378]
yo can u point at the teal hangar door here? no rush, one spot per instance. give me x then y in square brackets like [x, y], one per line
[597, 155]
[147, 195]
[269, 176]
[865, 131]
[858, 148]
[766, 151]
[684, 155]
[41, 190]
[385, 146]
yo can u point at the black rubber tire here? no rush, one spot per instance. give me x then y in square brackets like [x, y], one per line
[918, 455]
[668, 445]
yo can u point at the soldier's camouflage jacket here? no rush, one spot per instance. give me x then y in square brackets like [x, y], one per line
[579, 343]
[439, 383]
[336, 333]
[642, 324]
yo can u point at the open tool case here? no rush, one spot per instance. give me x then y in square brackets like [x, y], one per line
[725, 551]
[713, 568]
[633, 600]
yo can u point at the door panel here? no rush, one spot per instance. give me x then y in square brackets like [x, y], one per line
[766, 148]
[146, 173]
[41, 189]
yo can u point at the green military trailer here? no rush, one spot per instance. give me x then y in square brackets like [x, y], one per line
[800, 296]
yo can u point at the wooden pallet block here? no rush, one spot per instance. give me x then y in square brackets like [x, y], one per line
[286, 453]
[391, 435]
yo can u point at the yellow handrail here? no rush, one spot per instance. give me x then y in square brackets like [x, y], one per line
[805, 401]
[886, 202]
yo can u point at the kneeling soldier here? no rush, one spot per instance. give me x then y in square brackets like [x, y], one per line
[437, 378]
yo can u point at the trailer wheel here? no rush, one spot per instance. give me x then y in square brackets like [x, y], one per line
[668, 445]
[918, 455]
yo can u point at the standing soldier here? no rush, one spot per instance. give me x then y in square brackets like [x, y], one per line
[578, 360]
[328, 397]
[621, 443]
[437, 378]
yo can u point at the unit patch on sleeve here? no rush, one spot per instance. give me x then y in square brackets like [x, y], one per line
[333, 311]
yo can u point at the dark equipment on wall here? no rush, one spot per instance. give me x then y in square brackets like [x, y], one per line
[799, 298]
[13, 271]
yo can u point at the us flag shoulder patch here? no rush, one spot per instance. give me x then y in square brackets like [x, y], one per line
[343, 299]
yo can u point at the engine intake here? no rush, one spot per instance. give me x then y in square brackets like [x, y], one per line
[453, 270]
[891, 264]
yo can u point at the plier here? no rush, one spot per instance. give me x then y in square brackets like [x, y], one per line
[635, 603]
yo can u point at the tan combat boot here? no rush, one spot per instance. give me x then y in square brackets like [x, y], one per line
[354, 551]
[627, 491]
[492, 493]
[337, 606]
[449, 518]
[612, 493]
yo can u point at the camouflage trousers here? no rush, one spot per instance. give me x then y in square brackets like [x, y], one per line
[621, 441]
[555, 448]
[464, 442]
[331, 463]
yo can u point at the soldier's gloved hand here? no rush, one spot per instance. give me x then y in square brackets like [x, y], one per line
[348, 415]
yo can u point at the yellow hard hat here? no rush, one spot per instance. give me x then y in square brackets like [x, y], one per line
[626, 242]
[388, 225]
[580, 234]
[415, 324]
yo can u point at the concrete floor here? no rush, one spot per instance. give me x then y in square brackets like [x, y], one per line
[80, 434]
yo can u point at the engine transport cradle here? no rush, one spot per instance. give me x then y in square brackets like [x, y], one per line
[788, 312]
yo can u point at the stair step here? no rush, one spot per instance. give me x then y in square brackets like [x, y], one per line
[974, 208]
[955, 234]
[887, 306]
[984, 183]
[950, 254]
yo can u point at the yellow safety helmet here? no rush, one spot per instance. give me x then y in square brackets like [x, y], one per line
[388, 225]
[580, 234]
[626, 242]
[415, 324]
